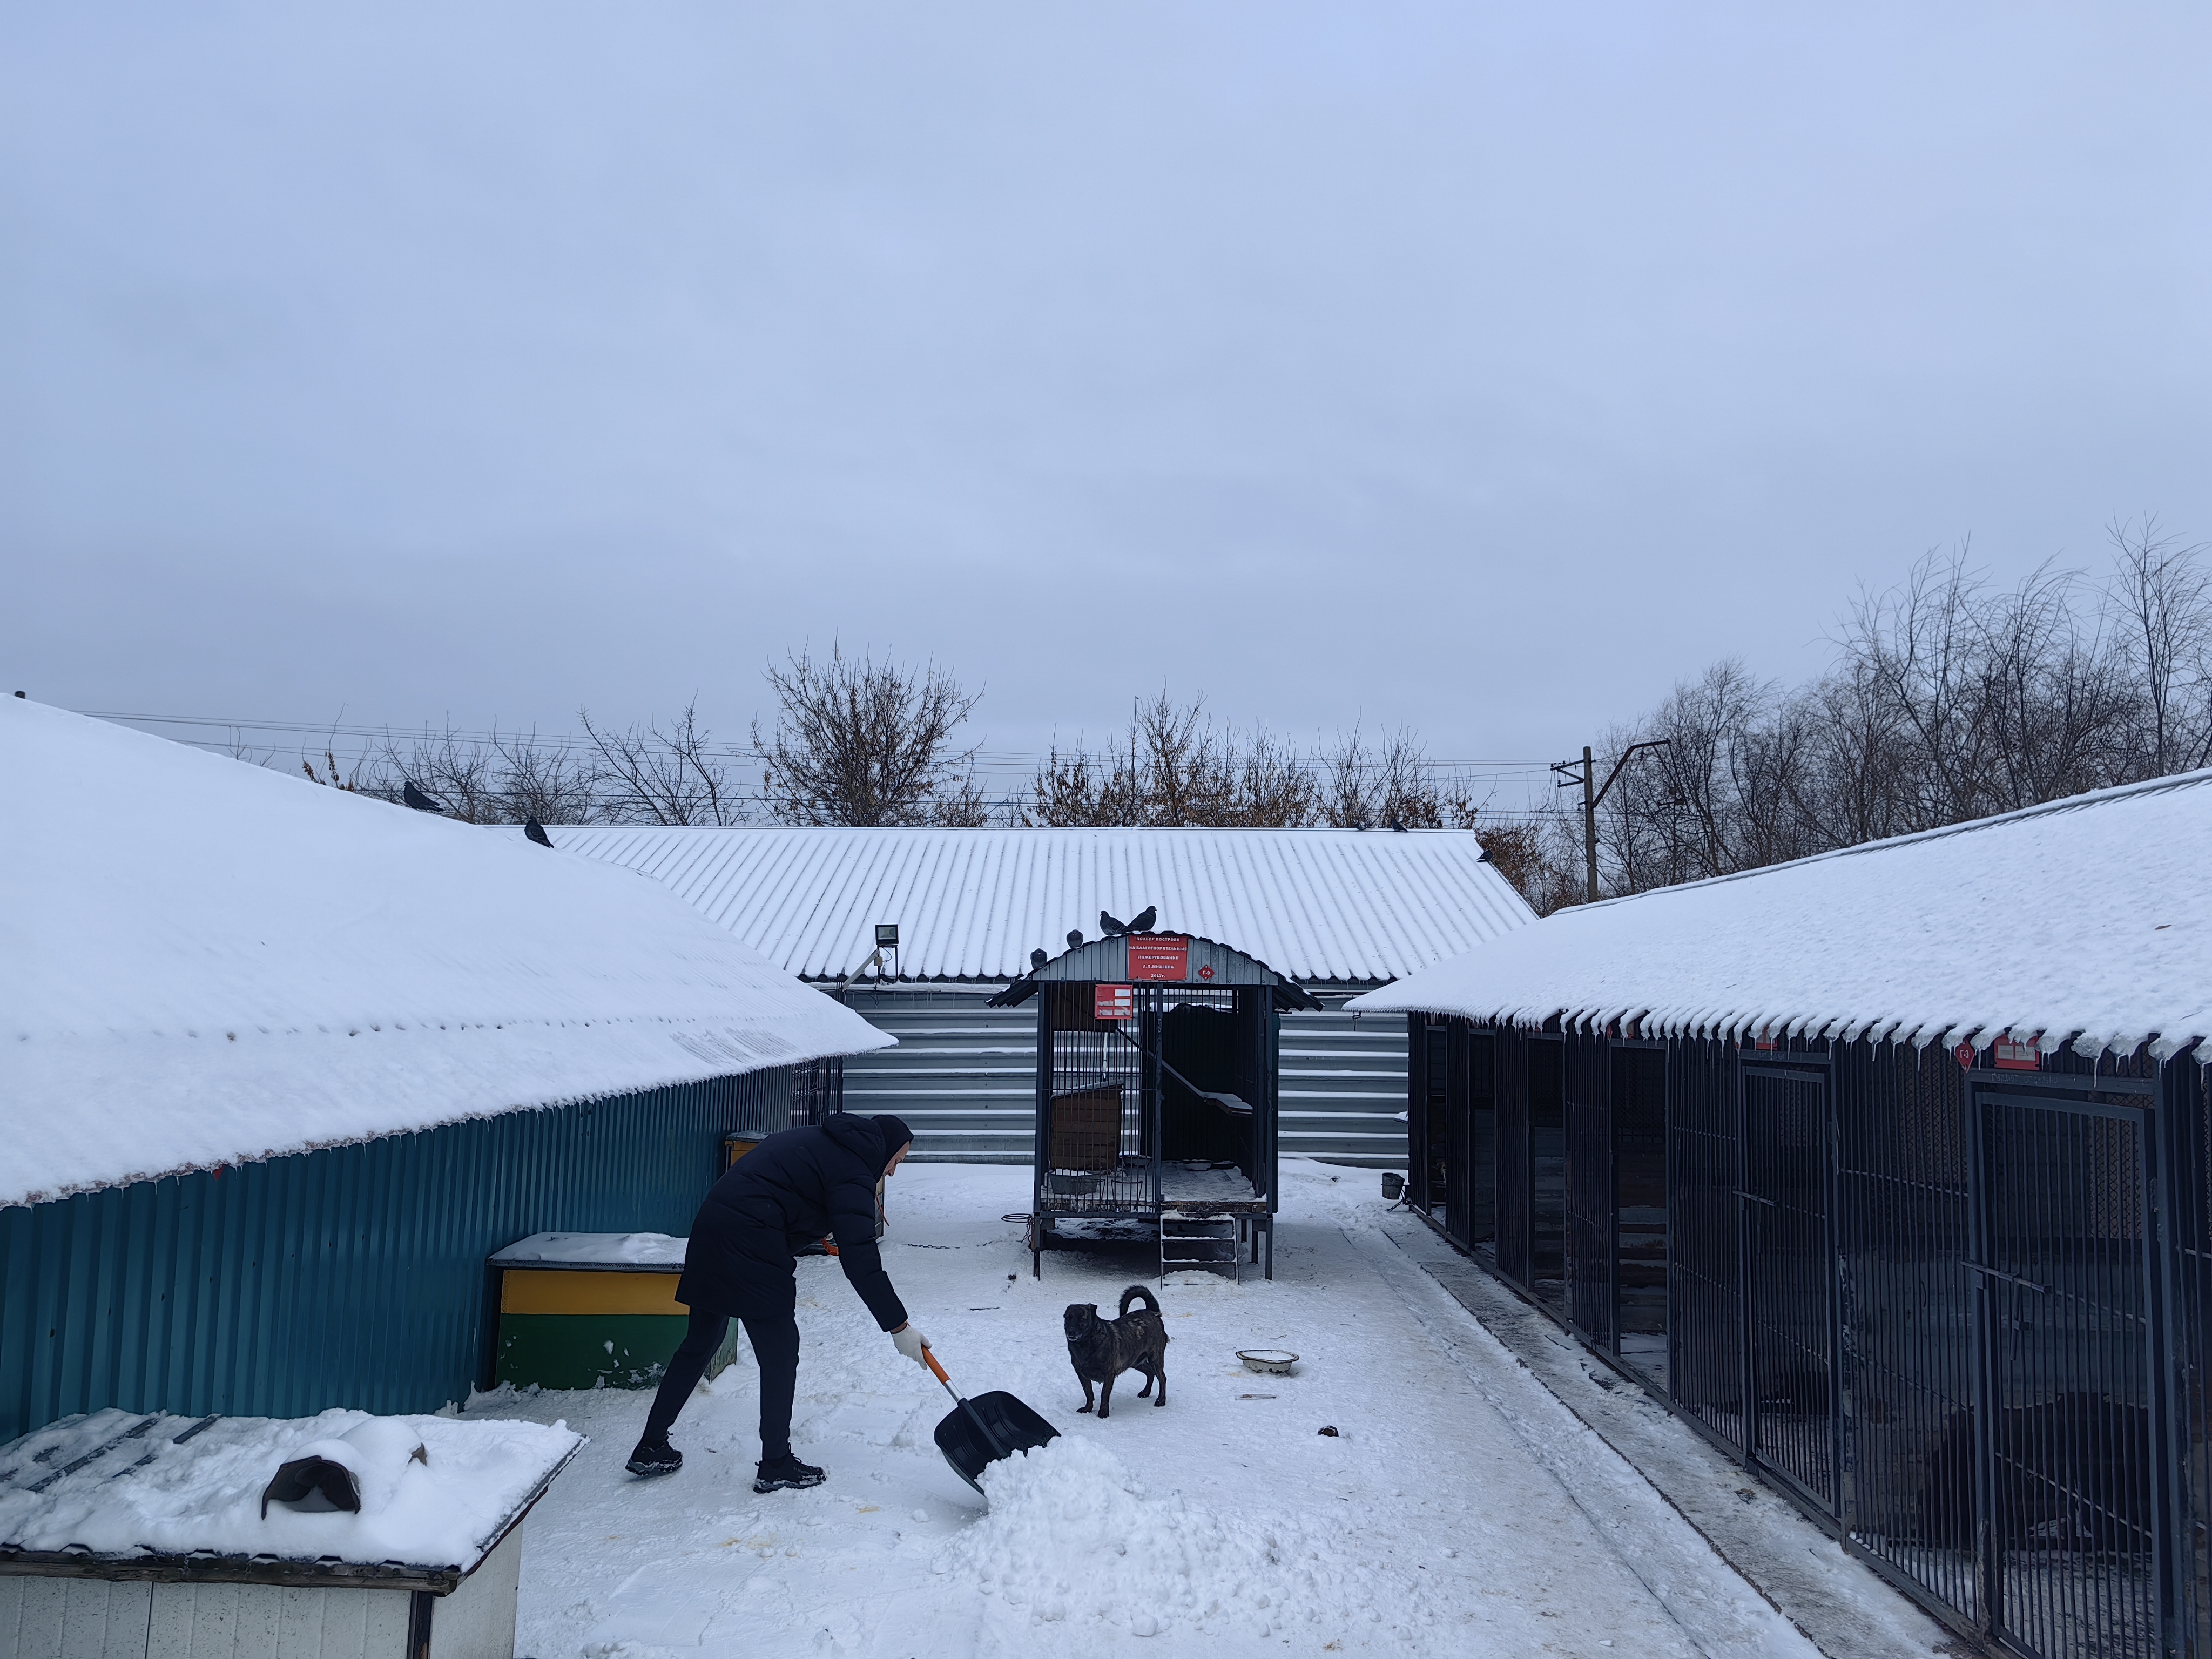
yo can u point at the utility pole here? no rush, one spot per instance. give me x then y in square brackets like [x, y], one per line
[1592, 797]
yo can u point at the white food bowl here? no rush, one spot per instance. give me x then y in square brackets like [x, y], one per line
[1269, 1362]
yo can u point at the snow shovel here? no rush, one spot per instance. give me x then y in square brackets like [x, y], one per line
[978, 1432]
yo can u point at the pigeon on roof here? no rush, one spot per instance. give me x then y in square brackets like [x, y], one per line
[535, 831]
[1142, 923]
[1075, 937]
[1038, 958]
[1108, 927]
[421, 800]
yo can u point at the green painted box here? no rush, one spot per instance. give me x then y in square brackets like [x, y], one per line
[587, 1311]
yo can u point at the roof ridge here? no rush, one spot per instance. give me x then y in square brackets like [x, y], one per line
[2158, 786]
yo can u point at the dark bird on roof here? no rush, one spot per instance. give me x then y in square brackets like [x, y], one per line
[1037, 958]
[1075, 937]
[418, 799]
[1398, 827]
[1143, 920]
[534, 830]
[1108, 927]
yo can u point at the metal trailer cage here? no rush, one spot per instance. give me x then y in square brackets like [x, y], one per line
[1953, 1304]
[1157, 1097]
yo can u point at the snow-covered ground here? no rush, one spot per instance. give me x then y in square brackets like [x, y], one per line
[1459, 1510]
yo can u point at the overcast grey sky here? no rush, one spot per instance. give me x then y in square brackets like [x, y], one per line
[1485, 367]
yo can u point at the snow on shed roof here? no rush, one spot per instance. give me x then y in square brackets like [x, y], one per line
[202, 962]
[2089, 918]
[1318, 905]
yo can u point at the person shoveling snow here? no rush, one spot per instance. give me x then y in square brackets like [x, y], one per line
[794, 1187]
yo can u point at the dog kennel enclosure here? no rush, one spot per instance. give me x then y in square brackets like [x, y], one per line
[1953, 1302]
[1158, 1096]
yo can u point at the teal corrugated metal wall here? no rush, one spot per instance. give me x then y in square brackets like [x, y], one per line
[353, 1276]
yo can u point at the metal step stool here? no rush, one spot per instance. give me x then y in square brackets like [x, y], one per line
[1210, 1242]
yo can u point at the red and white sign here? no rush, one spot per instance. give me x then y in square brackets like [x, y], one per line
[1162, 957]
[2011, 1056]
[1114, 1001]
[1206, 970]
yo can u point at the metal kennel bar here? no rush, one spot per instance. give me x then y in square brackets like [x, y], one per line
[1590, 1202]
[1788, 1258]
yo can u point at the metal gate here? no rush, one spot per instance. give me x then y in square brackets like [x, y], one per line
[2069, 1535]
[1513, 1185]
[1592, 1204]
[1705, 1297]
[1789, 1312]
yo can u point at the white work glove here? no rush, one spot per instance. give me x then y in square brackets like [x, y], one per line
[910, 1342]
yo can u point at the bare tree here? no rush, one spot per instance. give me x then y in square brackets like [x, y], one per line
[649, 776]
[460, 771]
[1947, 699]
[867, 743]
[2159, 596]
[1391, 784]
[1175, 767]
[546, 781]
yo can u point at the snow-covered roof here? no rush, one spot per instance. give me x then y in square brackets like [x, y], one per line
[202, 962]
[1316, 905]
[2089, 918]
[434, 1493]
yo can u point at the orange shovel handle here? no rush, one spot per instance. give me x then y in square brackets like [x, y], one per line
[929, 1358]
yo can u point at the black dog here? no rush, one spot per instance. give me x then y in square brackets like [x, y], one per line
[1101, 1349]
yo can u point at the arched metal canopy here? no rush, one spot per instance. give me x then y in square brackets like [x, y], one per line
[1107, 962]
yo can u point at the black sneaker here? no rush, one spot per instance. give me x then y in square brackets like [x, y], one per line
[655, 1456]
[777, 1473]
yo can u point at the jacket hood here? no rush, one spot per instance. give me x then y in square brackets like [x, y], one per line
[858, 1136]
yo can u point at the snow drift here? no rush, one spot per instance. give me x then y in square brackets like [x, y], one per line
[1073, 1537]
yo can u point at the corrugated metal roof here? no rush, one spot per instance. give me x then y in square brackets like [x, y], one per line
[2088, 918]
[1318, 905]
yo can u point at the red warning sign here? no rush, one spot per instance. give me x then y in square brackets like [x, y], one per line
[1165, 956]
[1114, 1001]
[2018, 1056]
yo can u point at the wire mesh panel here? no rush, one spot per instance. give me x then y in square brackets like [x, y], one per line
[1434, 1148]
[1514, 1186]
[2188, 1113]
[2070, 1555]
[1589, 1198]
[1906, 1315]
[1547, 1173]
[1705, 1292]
[1459, 1150]
[1790, 1274]
[1639, 1184]
[1475, 1184]
[1095, 1144]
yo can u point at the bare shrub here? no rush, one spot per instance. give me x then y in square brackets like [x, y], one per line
[867, 743]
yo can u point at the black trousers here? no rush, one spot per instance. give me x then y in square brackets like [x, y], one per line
[775, 1348]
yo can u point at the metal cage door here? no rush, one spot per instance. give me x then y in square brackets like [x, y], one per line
[1593, 1204]
[2072, 1555]
[1789, 1255]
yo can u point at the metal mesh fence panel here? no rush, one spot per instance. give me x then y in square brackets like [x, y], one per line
[1789, 1274]
[1704, 1306]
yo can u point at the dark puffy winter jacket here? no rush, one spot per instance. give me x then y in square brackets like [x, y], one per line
[797, 1186]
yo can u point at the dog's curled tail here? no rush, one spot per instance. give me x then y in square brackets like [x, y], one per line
[1137, 1293]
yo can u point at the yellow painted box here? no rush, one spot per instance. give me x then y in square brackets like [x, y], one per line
[587, 1310]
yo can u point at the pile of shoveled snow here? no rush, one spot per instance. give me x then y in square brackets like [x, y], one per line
[1073, 1536]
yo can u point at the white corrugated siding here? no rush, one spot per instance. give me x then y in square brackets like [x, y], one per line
[1318, 905]
[964, 1076]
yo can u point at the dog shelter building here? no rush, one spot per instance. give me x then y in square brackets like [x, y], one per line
[1891, 1171]
[283, 1066]
[1335, 911]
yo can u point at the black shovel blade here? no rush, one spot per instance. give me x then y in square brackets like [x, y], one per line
[1000, 1427]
